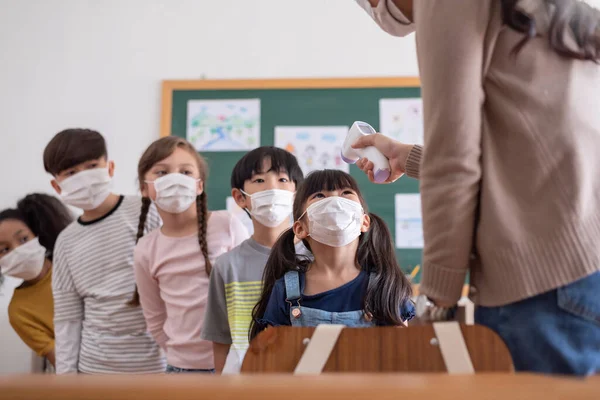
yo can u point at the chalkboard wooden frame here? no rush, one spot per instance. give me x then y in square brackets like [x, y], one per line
[169, 86]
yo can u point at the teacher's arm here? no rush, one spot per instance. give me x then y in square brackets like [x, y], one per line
[450, 52]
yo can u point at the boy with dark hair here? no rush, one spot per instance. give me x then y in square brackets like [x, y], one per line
[96, 332]
[263, 183]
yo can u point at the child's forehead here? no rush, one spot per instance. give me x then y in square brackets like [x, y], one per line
[10, 227]
[331, 189]
[266, 167]
[179, 155]
[270, 171]
[81, 164]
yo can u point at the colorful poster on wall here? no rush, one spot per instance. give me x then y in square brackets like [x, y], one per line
[402, 119]
[223, 125]
[239, 213]
[315, 147]
[409, 223]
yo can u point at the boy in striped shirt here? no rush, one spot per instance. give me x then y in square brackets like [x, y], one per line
[263, 183]
[96, 331]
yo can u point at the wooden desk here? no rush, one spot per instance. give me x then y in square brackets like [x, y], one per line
[288, 387]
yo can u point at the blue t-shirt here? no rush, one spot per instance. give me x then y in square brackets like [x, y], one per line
[348, 297]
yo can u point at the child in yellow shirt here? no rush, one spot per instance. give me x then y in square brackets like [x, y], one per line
[27, 237]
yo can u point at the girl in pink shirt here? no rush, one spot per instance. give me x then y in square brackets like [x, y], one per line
[172, 263]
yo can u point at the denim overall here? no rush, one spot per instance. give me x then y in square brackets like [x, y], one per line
[304, 316]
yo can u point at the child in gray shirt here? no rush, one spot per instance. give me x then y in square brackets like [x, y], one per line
[263, 183]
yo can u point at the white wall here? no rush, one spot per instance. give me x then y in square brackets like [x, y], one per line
[99, 64]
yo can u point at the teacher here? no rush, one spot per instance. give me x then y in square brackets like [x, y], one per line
[510, 175]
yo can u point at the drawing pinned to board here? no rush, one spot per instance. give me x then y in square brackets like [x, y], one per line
[409, 223]
[315, 147]
[402, 119]
[223, 125]
[239, 213]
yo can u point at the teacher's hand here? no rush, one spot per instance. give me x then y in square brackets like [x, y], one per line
[396, 152]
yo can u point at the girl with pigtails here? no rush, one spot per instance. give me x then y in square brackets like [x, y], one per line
[173, 263]
[354, 278]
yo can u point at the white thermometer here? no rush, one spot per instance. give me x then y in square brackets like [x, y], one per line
[381, 169]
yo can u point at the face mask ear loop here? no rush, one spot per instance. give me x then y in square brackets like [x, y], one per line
[302, 216]
[299, 219]
[248, 212]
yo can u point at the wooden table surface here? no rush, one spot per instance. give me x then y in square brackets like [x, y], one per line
[288, 387]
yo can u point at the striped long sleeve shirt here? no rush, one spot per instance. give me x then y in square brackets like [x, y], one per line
[97, 332]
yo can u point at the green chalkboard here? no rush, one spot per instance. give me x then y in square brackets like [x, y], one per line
[301, 103]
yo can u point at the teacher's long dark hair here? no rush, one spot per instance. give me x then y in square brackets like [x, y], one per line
[386, 293]
[569, 19]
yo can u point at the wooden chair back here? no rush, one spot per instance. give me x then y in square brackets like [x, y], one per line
[382, 349]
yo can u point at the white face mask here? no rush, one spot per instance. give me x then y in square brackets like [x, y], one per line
[24, 262]
[86, 189]
[271, 207]
[388, 17]
[334, 221]
[175, 193]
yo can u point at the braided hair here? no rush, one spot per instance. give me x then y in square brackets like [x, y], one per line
[146, 202]
[202, 211]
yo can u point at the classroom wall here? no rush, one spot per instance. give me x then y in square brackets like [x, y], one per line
[99, 64]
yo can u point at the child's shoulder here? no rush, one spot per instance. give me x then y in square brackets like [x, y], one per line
[148, 240]
[132, 203]
[131, 207]
[240, 256]
[231, 256]
[67, 234]
[279, 291]
[220, 221]
[290, 276]
[219, 216]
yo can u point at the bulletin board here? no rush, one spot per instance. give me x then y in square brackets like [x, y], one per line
[292, 103]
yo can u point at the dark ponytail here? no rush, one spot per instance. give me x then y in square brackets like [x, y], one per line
[202, 212]
[283, 258]
[388, 289]
[573, 30]
[146, 202]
